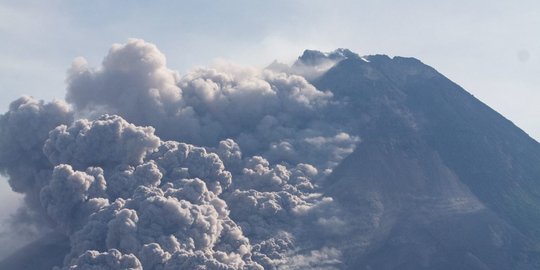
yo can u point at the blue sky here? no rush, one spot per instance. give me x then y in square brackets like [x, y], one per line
[491, 48]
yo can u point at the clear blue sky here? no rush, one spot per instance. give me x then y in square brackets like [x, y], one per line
[491, 48]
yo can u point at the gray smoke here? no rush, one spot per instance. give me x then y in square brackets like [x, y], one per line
[110, 260]
[263, 110]
[108, 141]
[71, 196]
[23, 131]
[118, 171]
[25, 127]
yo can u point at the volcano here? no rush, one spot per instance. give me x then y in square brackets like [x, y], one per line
[338, 161]
[439, 181]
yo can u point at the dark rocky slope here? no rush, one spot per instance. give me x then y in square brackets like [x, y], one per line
[440, 181]
[42, 254]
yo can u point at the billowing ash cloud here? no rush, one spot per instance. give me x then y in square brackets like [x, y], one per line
[110, 260]
[23, 131]
[25, 127]
[108, 141]
[133, 81]
[263, 110]
[119, 171]
[71, 195]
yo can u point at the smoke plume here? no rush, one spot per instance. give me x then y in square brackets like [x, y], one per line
[144, 168]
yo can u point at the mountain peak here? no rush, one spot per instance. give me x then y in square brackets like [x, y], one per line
[314, 57]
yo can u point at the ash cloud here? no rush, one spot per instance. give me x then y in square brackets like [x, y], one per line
[23, 131]
[262, 110]
[107, 141]
[25, 127]
[144, 168]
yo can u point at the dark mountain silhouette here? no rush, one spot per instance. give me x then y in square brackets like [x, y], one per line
[440, 180]
[42, 254]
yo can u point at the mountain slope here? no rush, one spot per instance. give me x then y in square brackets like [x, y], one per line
[43, 254]
[450, 183]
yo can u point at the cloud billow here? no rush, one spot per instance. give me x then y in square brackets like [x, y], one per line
[142, 168]
[255, 107]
